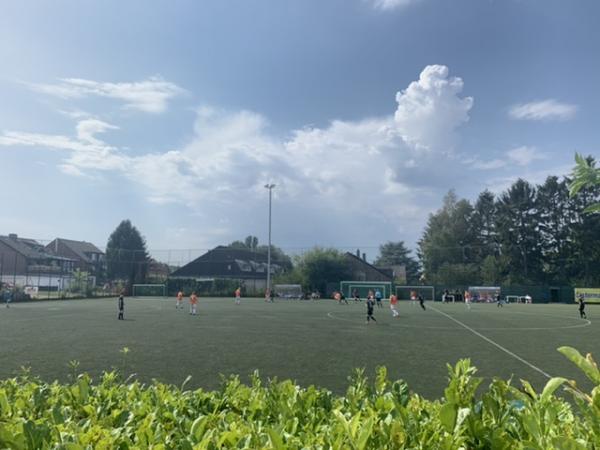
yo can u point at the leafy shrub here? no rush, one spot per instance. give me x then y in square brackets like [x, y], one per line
[116, 414]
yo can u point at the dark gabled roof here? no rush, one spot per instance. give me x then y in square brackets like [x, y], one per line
[30, 248]
[81, 248]
[362, 261]
[228, 262]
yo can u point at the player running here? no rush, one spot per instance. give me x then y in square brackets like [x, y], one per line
[356, 295]
[499, 301]
[370, 305]
[179, 304]
[421, 301]
[467, 298]
[393, 303]
[193, 303]
[238, 295]
[581, 301]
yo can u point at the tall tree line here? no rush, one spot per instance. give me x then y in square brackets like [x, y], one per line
[529, 234]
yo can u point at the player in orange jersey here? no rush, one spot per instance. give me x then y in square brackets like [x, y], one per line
[393, 303]
[238, 295]
[193, 303]
[179, 304]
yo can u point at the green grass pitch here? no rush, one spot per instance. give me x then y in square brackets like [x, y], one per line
[317, 342]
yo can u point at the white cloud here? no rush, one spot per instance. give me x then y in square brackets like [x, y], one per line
[379, 167]
[543, 110]
[488, 165]
[524, 155]
[391, 4]
[150, 95]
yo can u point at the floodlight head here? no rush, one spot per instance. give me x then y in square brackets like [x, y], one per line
[269, 186]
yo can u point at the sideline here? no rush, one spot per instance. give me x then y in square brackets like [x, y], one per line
[505, 350]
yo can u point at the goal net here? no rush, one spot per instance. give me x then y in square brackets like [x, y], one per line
[149, 290]
[406, 292]
[288, 291]
[363, 287]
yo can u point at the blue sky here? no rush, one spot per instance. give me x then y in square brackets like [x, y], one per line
[363, 112]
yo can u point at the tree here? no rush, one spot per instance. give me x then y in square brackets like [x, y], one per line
[126, 255]
[447, 241]
[519, 234]
[396, 254]
[320, 266]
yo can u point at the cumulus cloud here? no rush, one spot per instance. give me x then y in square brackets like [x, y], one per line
[151, 95]
[543, 110]
[347, 166]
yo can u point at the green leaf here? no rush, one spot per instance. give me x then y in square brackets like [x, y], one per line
[551, 386]
[586, 365]
[448, 413]
[276, 440]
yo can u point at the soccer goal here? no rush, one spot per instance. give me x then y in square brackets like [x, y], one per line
[149, 290]
[363, 287]
[289, 291]
[406, 292]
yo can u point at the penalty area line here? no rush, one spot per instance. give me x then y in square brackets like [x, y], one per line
[495, 344]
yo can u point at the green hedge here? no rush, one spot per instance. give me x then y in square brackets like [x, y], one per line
[117, 414]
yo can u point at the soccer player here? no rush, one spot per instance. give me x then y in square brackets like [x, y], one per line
[378, 298]
[370, 305]
[499, 302]
[356, 295]
[421, 301]
[337, 297]
[413, 298]
[121, 307]
[393, 303]
[238, 295]
[581, 301]
[179, 304]
[467, 298]
[193, 303]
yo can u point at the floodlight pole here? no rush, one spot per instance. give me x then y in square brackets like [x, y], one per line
[270, 188]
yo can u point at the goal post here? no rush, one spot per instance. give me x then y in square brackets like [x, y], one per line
[149, 290]
[404, 292]
[363, 287]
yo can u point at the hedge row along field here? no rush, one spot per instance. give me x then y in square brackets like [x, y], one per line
[117, 414]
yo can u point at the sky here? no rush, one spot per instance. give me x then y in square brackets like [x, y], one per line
[363, 113]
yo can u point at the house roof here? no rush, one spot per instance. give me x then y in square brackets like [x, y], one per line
[30, 248]
[228, 262]
[80, 248]
[362, 261]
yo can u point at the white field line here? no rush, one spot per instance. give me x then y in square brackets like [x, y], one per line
[505, 350]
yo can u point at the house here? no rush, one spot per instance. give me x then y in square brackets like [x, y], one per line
[158, 270]
[245, 265]
[88, 258]
[363, 271]
[26, 262]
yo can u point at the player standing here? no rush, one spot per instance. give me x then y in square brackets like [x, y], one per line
[370, 305]
[356, 295]
[499, 302]
[121, 307]
[378, 298]
[467, 297]
[238, 295]
[393, 303]
[413, 298]
[179, 304]
[581, 301]
[193, 303]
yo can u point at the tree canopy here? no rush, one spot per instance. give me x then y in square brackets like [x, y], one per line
[126, 254]
[397, 254]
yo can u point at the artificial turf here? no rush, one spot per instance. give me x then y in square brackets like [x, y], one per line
[312, 342]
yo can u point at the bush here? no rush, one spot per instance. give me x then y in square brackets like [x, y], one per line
[377, 415]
